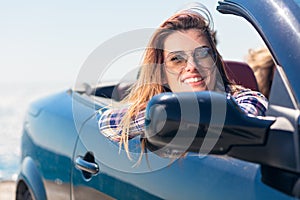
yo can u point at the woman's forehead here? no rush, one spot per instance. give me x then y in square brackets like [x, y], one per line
[185, 40]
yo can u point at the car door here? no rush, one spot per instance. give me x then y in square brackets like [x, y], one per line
[102, 170]
[112, 177]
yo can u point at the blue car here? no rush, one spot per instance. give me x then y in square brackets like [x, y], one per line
[64, 156]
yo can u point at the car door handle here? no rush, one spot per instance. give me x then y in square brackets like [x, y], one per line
[90, 167]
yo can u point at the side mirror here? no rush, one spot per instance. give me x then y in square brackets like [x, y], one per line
[212, 123]
[202, 122]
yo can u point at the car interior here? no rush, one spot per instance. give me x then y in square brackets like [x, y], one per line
[238, 72]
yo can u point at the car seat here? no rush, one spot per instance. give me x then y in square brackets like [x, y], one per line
[241, 74]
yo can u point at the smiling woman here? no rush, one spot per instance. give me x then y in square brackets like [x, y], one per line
[180, 57]
[198, 63]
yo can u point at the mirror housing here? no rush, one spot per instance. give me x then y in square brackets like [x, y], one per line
[208, 122]
[201, 122]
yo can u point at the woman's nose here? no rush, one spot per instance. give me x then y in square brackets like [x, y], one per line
[190, 64]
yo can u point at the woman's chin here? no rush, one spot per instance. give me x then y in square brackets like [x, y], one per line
[198, 86]
[189, 88]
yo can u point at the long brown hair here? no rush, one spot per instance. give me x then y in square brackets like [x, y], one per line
[151, 77]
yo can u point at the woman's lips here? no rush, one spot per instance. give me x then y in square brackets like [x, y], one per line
[193, 80]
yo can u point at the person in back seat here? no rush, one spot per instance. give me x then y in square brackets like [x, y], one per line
[180, 57]
[261, 62]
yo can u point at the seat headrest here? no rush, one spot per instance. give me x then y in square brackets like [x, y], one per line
[241, 74]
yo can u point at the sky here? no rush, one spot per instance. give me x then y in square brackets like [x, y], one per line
[49, 41]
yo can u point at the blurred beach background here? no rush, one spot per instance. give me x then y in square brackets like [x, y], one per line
[15, 98]
[44, 44]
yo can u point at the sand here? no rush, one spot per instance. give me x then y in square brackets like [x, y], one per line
[7, 190]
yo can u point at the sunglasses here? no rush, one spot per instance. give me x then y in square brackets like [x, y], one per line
[203, 57]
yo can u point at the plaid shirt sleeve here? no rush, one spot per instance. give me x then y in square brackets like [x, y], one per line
[109, 123]
[251, 102]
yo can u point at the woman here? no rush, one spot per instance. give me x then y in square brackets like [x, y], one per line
[181, 56]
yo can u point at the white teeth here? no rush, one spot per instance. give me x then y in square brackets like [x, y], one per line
[192, 80]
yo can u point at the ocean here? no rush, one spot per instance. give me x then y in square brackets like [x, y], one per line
[14, 101]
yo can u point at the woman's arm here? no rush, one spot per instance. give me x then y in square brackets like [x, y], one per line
[251, 102]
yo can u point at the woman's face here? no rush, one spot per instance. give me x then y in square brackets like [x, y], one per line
[189, 63]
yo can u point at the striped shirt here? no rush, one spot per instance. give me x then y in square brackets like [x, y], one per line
[251, 102]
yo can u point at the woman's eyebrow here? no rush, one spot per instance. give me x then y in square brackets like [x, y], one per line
[183, 51]
[173, 52]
